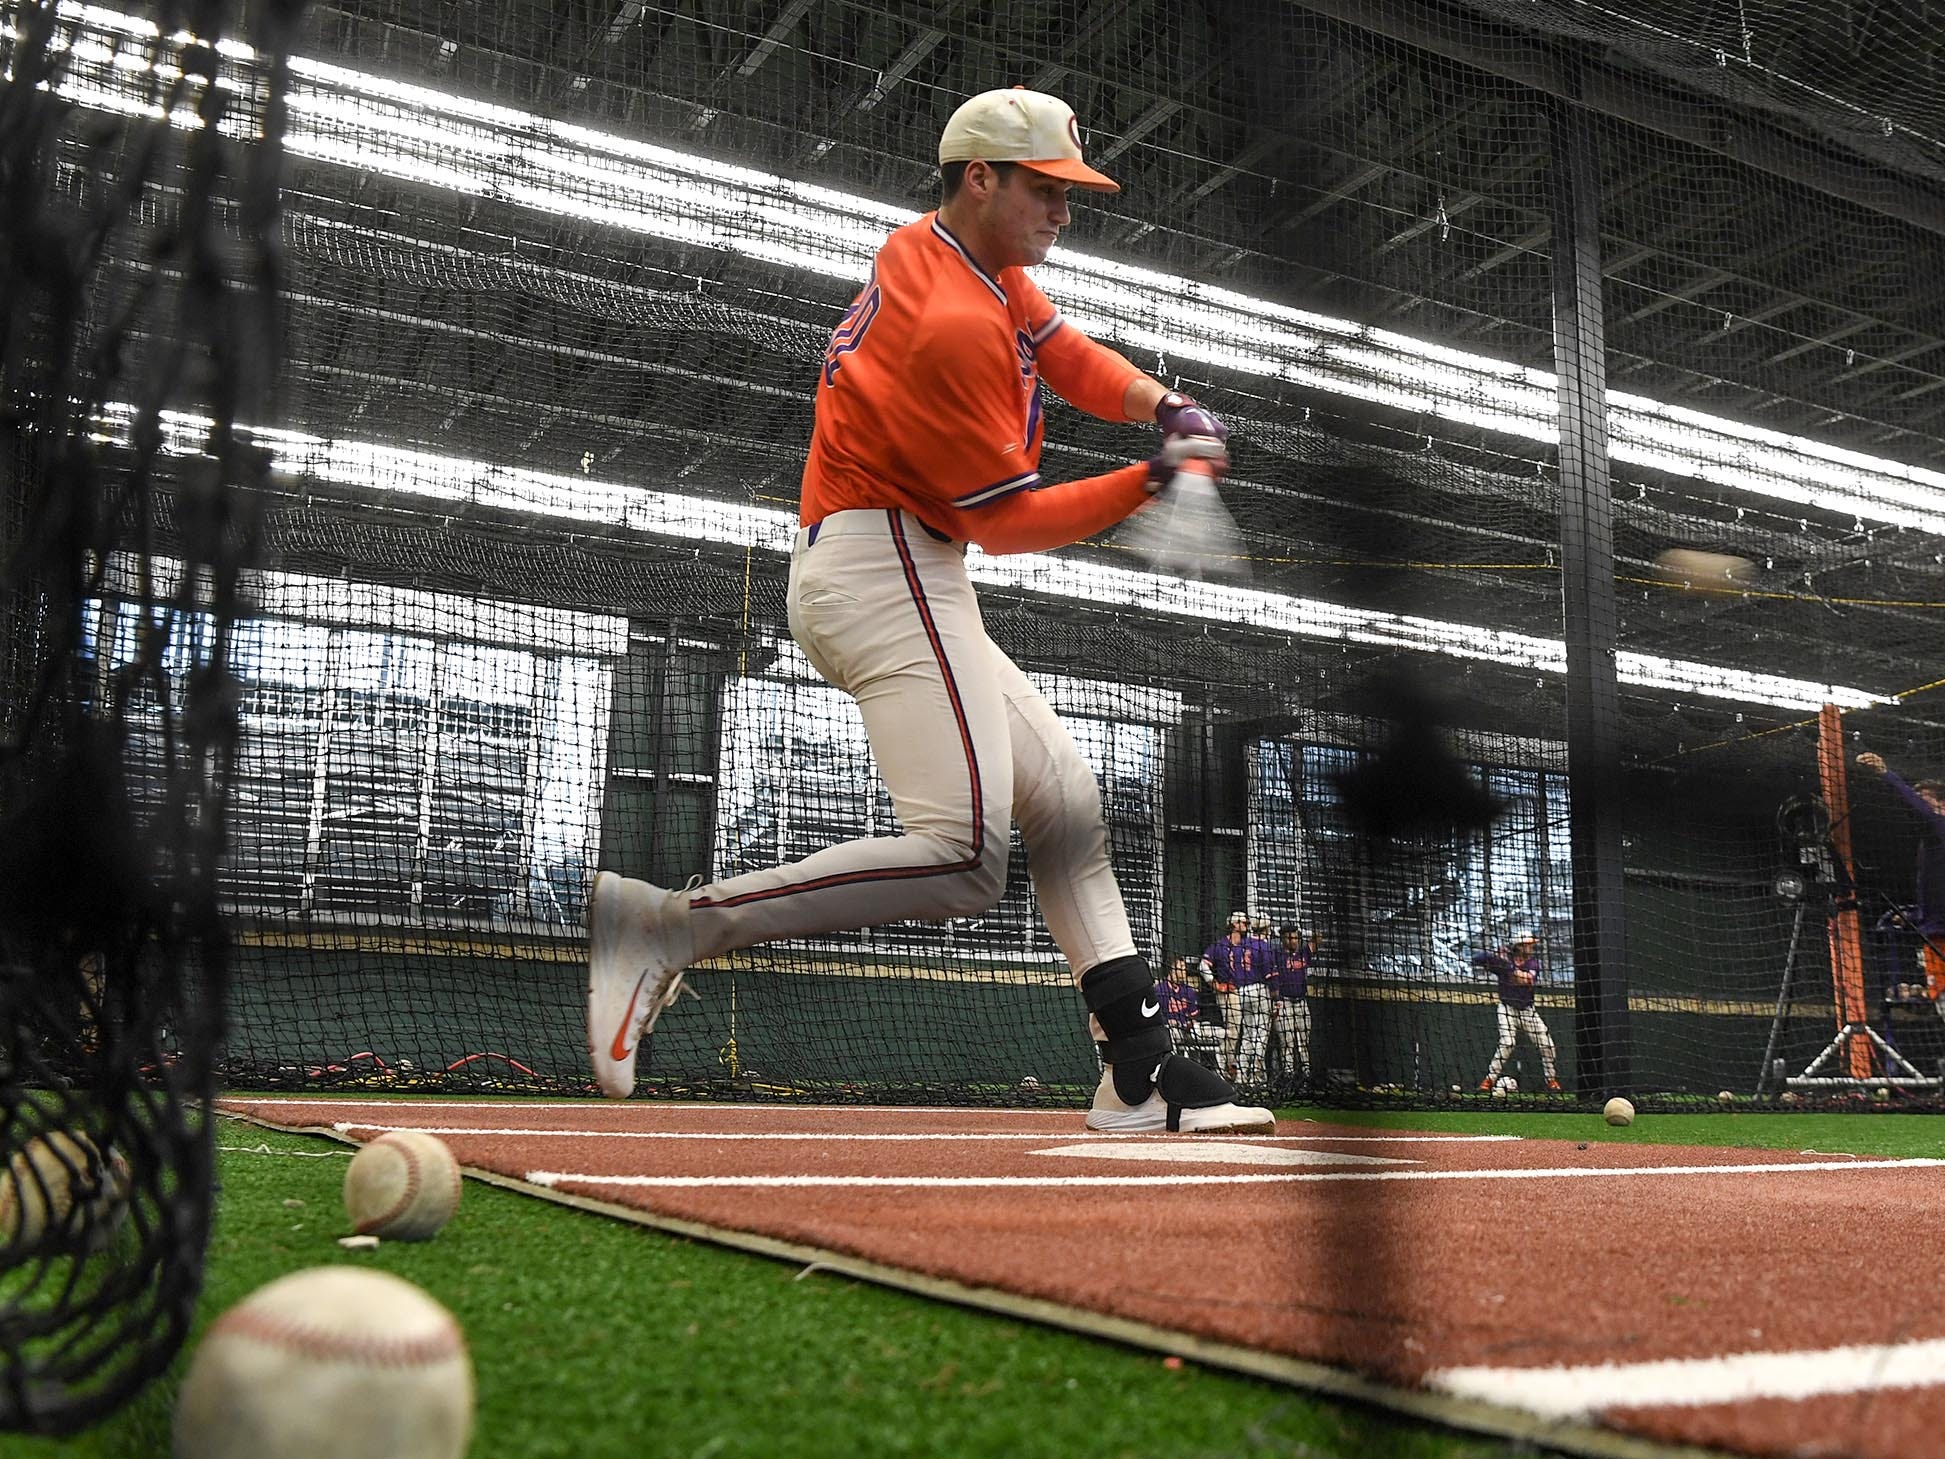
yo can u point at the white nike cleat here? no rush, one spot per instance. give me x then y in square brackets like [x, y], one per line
[639, 942]
[1155, 1115]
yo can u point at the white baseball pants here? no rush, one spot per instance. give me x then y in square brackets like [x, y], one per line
[966, 745]
[1231, 1006]
[1513, 1023]
[1293, 1035]
[1253, 1035]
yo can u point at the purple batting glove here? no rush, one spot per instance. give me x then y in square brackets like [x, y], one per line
[1178, 451]
[1178, 415]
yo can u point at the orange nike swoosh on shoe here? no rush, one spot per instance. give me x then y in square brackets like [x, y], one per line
[619, 1049]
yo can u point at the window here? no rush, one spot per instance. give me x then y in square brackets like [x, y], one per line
[1426, 904]
[398, 777]
[659, 814]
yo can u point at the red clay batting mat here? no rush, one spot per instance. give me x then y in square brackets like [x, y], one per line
[1771, 1303]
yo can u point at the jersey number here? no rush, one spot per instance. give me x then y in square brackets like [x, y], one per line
[850, 331]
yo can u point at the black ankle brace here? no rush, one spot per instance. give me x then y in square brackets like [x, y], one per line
[1120, 994]
[1185, 1084]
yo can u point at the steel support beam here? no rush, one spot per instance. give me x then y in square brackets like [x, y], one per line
[1140, 127]
[1603, 1060]
[1550, 67]
[921, 46]
[778, 32]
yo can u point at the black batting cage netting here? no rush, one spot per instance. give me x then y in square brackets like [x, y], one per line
[138, 349]
[392, 549]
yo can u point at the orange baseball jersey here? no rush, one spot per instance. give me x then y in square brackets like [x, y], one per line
[929, 401]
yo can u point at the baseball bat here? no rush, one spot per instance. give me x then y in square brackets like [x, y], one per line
[1189, 532]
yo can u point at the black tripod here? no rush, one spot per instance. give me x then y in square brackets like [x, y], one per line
[1900, 1072]
[1806, 823]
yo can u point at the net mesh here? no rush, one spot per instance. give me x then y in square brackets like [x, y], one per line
[556, 281]
[125, 297]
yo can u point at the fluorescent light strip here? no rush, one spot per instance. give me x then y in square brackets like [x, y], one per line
[572, 498]
[369, 123]
[349, 603]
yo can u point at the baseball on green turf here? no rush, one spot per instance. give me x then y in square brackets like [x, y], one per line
[1618, 1111]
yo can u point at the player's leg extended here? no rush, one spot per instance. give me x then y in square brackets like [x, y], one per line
[1299, 1015]
[1144, 1084]
[1508, 1036]
[887, 614]
[1536, 1030]
[1057, 802]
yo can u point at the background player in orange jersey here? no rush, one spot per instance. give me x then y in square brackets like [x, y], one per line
[928, 436]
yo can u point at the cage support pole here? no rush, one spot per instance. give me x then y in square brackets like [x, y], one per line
[1603, 1058]
[1846, 936]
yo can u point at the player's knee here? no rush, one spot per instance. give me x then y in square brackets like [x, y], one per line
[1065, 808]
[979, 887]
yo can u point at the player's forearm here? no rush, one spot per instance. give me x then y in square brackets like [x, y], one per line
[1096, 379]
[1033, 521]
[1141, 398]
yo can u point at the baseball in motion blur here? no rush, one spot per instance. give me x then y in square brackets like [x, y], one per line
[326, 1364]
[1618, 1111]
[1690, 567]
[403, 1186]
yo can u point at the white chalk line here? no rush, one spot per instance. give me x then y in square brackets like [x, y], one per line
[1214, 1152]
[1585, 1392]
[978, 1182]
[1016, 1136]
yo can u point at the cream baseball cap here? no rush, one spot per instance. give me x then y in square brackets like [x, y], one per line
[1028, 127]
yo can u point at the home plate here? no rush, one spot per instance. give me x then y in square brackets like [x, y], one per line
[1214, 1152]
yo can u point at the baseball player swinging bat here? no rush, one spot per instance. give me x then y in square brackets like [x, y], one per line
[928, 436]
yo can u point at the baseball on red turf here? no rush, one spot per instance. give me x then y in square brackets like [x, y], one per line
[1690, 567]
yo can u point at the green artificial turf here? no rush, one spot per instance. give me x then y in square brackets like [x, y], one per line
[1888, 1133]
[593, 1338]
